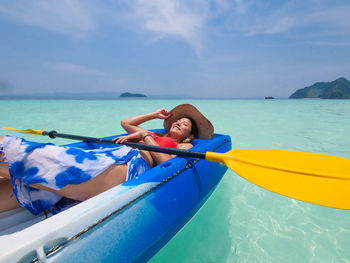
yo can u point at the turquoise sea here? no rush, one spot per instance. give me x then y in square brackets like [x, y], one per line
[240, 222]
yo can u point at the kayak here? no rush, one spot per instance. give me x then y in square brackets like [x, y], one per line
[130, 222]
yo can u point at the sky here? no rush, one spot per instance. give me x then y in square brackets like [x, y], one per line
[179, 48]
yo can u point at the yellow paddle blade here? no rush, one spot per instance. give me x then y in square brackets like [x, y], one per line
[310, 177]
[27, 131]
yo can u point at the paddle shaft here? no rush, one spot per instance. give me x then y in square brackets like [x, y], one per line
[152, 148]
[310, 177]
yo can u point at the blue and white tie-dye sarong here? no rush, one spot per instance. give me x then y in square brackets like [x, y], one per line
[57, 166]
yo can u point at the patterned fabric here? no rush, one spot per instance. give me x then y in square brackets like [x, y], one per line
[57, 166]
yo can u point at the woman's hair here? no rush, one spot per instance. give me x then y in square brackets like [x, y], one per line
[194, 128]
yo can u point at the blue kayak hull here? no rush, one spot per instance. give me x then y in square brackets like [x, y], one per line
[147, 211]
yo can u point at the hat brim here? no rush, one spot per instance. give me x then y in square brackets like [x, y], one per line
[205, 128]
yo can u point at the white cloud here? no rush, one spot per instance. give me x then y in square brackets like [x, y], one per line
[281, 25]
[172, 18]
[321, 19]
[73, 68]
[272, 26]
[72, 17]
[240, 5]
[331, 43]
[191, 21]
[188, 21]
[335, 18]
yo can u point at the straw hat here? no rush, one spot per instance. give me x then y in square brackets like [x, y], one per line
[205, 128]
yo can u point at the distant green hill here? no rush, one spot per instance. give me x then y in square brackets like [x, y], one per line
[133, 95]
[337, 89]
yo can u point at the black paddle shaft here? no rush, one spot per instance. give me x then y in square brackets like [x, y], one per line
[152, 148]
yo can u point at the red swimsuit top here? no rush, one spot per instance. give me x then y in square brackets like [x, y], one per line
[164, 141]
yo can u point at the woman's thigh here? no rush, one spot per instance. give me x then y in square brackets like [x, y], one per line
[4, 170]
[7, 200]
[113, 176]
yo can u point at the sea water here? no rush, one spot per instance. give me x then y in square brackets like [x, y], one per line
[240, 222]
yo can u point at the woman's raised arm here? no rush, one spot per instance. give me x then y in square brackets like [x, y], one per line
[131, 124]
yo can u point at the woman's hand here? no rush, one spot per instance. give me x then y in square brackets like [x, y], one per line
[162, 114]
[133, 137]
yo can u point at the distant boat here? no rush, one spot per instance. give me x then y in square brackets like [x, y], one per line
[269, 98]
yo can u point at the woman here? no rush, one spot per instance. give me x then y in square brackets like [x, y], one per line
[39, 174]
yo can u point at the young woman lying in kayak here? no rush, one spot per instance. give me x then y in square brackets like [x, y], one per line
[39, 174]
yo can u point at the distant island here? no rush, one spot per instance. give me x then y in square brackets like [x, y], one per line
[337, 89]
[132, 95]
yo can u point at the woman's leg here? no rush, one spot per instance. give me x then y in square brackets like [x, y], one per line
[4, 170]
[6, 201]
[113, 176]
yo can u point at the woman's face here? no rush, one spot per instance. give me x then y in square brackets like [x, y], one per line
[181, 129]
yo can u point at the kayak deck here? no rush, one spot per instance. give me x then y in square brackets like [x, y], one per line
[129, 222]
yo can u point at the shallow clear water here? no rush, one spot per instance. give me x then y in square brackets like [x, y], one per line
[240, 222]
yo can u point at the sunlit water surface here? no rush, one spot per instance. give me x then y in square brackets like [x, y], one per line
[240, 222]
